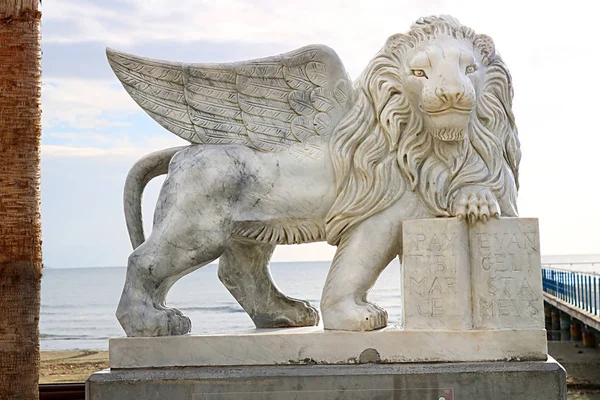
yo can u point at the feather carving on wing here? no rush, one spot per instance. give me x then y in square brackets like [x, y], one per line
[291, 102]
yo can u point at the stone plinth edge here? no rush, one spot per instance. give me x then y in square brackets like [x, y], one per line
[316, 346]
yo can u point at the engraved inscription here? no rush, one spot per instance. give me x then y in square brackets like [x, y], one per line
[507, 307]
[433, 286]
[436, 276]
[503, 262]
[506, 273]
[436, 242]
[507, 241]
[431, 307]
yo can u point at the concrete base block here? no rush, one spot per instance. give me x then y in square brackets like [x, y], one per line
[525, 380]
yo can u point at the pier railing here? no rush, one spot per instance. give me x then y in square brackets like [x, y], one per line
[580, 290]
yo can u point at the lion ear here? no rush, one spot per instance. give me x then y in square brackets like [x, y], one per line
[395, 40]
[486, 48]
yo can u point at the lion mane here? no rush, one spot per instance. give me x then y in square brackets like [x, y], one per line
[379, 149]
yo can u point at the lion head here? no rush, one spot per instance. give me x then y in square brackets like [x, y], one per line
[433, 114]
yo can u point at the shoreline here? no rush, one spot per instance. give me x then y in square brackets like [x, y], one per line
[68, 366]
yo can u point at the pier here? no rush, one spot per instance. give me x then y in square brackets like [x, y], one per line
[572, 301]
[572, 319]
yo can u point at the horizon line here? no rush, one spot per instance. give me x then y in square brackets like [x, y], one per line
[596, 255]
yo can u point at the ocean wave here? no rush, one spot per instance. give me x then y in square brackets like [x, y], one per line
[47, 336]
[227, 309]
[100, 306]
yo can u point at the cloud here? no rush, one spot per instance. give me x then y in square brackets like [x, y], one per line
[123, 147]
[94, 132]
[85, 104]
[85, 152]
[248, 21]
[356, 29]
[95, 118]
[74, 137]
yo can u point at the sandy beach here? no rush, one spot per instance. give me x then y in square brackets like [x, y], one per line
[71, 366]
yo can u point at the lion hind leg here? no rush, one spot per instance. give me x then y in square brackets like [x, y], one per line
[244, 270]
[152, 270]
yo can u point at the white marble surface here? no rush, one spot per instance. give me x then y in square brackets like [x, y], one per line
[436, 275]
[507, 274]
[314, 345]
[287, 149]
[465, 276]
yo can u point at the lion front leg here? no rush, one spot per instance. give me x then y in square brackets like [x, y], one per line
[475, 203]
[360, 258]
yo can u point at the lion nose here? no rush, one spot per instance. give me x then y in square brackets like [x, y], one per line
[450, 95]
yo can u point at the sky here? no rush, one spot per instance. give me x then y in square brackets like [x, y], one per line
[93, 132]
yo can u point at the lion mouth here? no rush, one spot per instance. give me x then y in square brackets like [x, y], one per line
[450, 110]
[448, 134]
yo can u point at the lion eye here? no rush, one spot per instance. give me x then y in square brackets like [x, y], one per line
[470, 69]
[419, 73]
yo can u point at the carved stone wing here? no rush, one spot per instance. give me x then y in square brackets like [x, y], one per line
[288, 102]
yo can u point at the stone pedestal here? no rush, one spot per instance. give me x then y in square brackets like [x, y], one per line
[527, 380]
[472, 313]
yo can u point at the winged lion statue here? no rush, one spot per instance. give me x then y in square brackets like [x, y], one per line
[287, 150]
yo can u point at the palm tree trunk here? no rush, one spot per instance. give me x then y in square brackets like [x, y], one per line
[20, 230]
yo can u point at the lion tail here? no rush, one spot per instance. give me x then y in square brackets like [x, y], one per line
[142, 172]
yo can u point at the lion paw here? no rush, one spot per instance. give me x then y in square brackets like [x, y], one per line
[303, 313]
[352, 316]
[288, 313]
[177, 323]
[150, 321]
[476, 204]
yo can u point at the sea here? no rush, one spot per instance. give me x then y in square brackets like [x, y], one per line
[78, 304]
